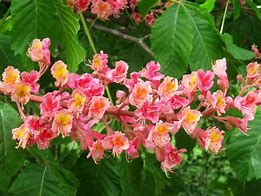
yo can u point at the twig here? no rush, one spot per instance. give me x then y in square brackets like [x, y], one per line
[117, 33]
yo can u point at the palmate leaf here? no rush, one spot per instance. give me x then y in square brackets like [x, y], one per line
[171, 40]
[235, 51]
[7, 56]
[44, 180]
[185, 35]
[206, 43]
[10, 158]
[98, 180]
[46, 18]
[244, 150]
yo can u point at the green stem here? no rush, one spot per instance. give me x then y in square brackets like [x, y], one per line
[5, 16]
[224, 18]
[88, 34]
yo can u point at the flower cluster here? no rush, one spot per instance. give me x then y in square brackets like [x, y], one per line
[152, 109]
[103, 9]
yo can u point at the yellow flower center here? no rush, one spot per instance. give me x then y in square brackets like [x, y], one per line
[193, 81]
[22, 90]
[190, 117]
[60, 71]
[63, 118]
[220, 100]
[79, 100]
[214, 137]
[161, 129]
[252, 70]
[97, 61]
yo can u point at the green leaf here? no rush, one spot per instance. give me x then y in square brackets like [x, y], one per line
[206, 43]
[237, 9]
[102, 179]
[208, 5]
[131, 177]
[244, 150]
[47, 18]
[6, 54]
[235, 51]
[144, 6]
[253, 6]
[44, 180]
[11, 159]
[171, 40]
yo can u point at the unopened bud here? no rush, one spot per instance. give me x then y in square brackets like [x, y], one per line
[240, 78]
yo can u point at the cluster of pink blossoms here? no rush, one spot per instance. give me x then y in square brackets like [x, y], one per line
[103, 9]
[153, 108]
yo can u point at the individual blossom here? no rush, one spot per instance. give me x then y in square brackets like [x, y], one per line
[152, 71]
[100, 62]
[21, 92]
[168, 87]
[77, 102]
[96, 151]
[253, 71]
[134, 79]
[11, 76]
[169, 157]
[22, 134]
[98, 107]
[219, 69]
[102, 9]
[117, 5]
[117, 142]
[39, 51]
[82, 5]
[189, 84]
[31, 78]
[247, 104]
[60, 73]
[119, 73]
[217, 101]
[136, 16]
[150, 19]
[149, 111]
[205, 80]
[62, 122]
[178, 101]
[50, 104]
[140, 93]
[160, 134]
[189, 119]
[256, 51]
[211, 139]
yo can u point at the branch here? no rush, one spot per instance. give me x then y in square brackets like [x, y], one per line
[117, 33]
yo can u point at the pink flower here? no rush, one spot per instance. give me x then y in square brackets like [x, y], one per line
[219, 68]
[119, 73]
[211, 139]
[22, 134]
[100, 62]
[150, 19]
[98, 107]
[39, 51]
[50, 105]
[11, 76]
[82, 5]
[168, 87]
[77, 102]
[205, 80]
[189, 84]
[44, 138]
[21, 92]
[73, 80]
[189, 119]
[117, 142]
[117, 5]
[149, 111]
[62, 122]
[253, 71]
[96, 151]
[60, 73]
[169, 157]
[178, 102]
[136, 16]
[152, 71]
[102, 9]
[140, 93]
[217, 101]
[247, 104]
[31, 79]
[160, 134]
[130, 83]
